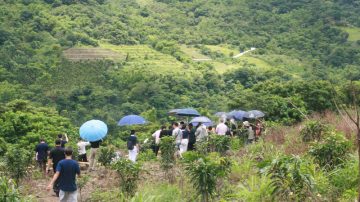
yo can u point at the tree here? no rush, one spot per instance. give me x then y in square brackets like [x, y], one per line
[204, 171]
[351, 108]
[129, 175]
[17, 161]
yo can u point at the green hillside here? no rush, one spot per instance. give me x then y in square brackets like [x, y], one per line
[63, 62]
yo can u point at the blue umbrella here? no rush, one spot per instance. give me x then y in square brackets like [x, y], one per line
[238, 115]
[203, 119]
[254, 114]
[185, 112]
[93, 130]
[132, 120]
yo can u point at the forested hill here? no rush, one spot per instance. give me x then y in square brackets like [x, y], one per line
[105, 58]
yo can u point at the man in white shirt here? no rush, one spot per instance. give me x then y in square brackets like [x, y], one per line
[82, 150]
[156, 135]
[221, 128]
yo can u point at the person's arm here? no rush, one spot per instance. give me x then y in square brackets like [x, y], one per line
[57, 174]
[66, 137]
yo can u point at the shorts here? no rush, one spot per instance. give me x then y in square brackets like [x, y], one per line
[68, 196]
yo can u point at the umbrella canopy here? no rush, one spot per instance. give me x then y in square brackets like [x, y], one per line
[131, 120]
[93, 130]
[184, 112]
[203, 119]
[254, 114]
[238, 115]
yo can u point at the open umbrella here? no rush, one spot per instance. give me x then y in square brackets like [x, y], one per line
[131, 120]
[254, 114]
[203, 119]
[93, 130]
[238, 115]
[184, 112]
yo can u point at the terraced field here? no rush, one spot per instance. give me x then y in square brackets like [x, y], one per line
[146, 57]
[80, 54]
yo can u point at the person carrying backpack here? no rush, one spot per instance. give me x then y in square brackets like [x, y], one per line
[133, 147]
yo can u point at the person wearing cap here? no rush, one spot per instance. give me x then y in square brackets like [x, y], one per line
[250, 132]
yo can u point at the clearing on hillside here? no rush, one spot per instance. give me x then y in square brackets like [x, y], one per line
[77, 54]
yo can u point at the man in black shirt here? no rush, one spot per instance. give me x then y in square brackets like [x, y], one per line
[63, 139]
[42, 150]
[56, 154]
[94, 146]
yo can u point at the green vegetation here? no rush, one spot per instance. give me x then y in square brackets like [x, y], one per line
[63, 62]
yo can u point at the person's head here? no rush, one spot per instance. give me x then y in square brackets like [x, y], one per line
[175, 124]
[183, 126]
[182, 123]
[210, 128]
[221, 120]
[42, 140]
[132, 132]
[190, 126]
[68, 151]
[246, 124]
[79, 139]
[60, 136]
[198, 125]
[57, 143]
[163, 127]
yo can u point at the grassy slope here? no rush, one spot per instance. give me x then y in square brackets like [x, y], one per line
[354, 33]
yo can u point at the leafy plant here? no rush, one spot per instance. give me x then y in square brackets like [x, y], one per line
[291, 178]
[106, 155]
[313, 130]
[219, 143]
[8, 190]
[167, 161]
[17, 160]
[129, 175]
[204, 171]
[81, 182]
[332, 151]
[147, 155]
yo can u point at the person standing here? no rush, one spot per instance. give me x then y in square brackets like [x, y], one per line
[192, 138]
[185, 138]
[250, 132]
[221, 128]
[66, 171]
[177, 133]
[201, 133]
[133, 146]
[55, 156]
[42, 151]
[157, 137]
[94, 147]
[82, 150]
[64, 139]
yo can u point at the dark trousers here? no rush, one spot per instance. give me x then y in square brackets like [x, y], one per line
[82, 158]
[191, 146]
[156, 149]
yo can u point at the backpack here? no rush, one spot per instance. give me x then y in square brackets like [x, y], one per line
[130, 145]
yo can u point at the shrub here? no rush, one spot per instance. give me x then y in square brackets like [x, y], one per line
[204, 171]
[344, 178]
[313, 130]
[129, 175]
[332, 151]
[17, 161]
[8, 190]
[167, 162]
[106, 155]
[219, 143]
[147, 155]
[291, 178]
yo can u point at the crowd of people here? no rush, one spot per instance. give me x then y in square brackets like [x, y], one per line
[60, 161]
[186, 135]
